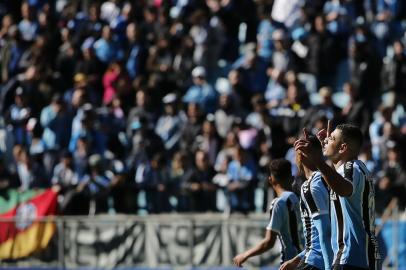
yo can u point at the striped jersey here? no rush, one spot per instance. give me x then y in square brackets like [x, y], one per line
[353, 219]
[285, 221]
[314, 202]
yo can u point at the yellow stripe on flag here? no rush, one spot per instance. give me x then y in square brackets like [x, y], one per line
[35, 238]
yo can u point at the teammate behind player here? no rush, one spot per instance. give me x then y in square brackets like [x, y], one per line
[314, 207]
[284, 216]
[352, 196]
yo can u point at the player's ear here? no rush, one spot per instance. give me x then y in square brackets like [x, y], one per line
[343, 148]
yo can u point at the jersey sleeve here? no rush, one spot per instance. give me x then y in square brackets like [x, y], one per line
[320, 197]
[353, 174]
[276, 217]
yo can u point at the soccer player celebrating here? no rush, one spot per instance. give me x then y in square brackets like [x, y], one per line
[314, 207]
[352, 196]
[284, 216]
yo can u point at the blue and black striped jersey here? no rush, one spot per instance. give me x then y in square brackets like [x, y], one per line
[353, 219]
[285, 221]
[314, 202]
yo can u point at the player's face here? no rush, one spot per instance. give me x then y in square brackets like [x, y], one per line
[332, 146]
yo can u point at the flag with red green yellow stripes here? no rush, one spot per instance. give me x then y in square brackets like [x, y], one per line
[22, 232]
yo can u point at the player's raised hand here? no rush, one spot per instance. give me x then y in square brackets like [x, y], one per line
[305, 134]
[323, 134]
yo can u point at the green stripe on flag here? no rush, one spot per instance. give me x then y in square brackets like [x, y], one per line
[13, 197]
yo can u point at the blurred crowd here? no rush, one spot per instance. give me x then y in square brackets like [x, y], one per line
[172, 106]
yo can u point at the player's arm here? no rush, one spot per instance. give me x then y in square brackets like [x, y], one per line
[341, 185]
[266, 243]
[272, 230]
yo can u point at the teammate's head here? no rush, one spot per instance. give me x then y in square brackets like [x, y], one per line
[344, 142]
[280, 173]
[303, 163]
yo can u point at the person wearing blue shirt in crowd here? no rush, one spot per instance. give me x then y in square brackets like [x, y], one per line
[106, 48]
[314, 206]
[284, 216]
[28, 26]
[201, 92]
[169, 126]
[242, 174]
[352, 196]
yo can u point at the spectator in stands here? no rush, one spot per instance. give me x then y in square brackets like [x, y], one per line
[201, 92]
[226, 154]
[208, 141]
[54, 120]
[89, 64]
[253, 71]
[356, 111]
[321, 62]
[394, 71]
[136, 52]
[142, 110]
[11, 52]
[106, 48]
[31, 173]
[169, 125]
[144, 142]
[18, 115]
[226, 114]
[192, 127]
[242, 174]
[326, 109]
[7, 179]
[179, 166]
[123, 189]
[392, 179]
[65, 180]
[28, 26]
[153, 178]
[96, 185]
[198, 183]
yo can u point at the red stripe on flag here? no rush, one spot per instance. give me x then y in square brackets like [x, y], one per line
[43, 204]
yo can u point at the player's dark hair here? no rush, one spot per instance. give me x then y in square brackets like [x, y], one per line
[352, 135]
[281, 169]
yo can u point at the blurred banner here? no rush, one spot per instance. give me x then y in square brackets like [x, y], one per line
[163, 241]
[26, 235]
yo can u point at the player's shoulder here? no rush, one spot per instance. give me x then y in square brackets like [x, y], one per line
[290, 198]
[318, 181]
[285, 198]
[274, 203]
[355, 167]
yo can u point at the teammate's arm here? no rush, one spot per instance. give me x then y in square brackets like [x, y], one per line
[266, 243]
